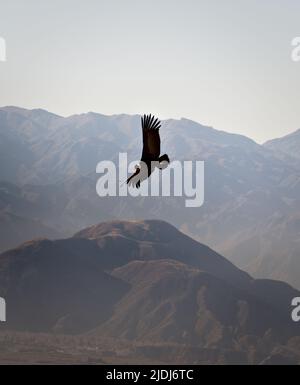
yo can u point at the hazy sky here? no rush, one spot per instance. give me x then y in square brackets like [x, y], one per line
[224, 63]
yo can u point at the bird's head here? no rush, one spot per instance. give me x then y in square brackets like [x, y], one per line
[164, 164]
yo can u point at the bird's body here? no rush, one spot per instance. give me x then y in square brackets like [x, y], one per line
[151, 152]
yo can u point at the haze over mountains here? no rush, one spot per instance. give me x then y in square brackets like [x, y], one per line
[146, 283]
[286, 148]
[251, 209]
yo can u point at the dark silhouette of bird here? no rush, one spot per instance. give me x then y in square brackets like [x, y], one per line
[151, 158]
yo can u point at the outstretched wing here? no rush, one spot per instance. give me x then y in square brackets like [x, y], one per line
[151, 139]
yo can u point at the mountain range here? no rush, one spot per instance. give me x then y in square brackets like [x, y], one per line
[251, 209]
[146, 283]
[286, 148]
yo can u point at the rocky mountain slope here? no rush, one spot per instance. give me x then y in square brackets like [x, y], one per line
[144, 282]
[48, 179]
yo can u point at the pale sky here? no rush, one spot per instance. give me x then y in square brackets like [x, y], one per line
[223, 63]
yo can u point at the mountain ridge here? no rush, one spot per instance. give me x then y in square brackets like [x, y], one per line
[251, 194]
[102, 284]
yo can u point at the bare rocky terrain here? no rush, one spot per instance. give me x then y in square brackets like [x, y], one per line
[139, 291]
[251, 209]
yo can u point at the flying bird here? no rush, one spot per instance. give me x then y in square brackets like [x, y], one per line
[151, 158]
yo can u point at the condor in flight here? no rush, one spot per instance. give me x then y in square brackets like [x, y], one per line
[151, 152]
